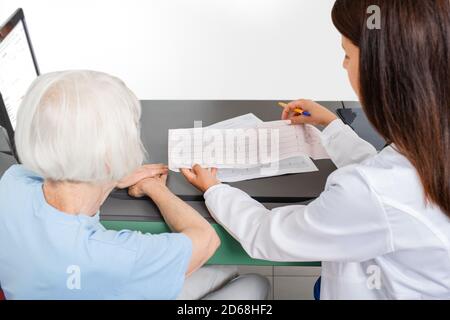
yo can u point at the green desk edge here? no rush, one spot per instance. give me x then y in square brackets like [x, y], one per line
[229, 253]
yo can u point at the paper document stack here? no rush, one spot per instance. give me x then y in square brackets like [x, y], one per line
[246, 148]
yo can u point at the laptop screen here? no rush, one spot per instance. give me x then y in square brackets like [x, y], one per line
[17, 67]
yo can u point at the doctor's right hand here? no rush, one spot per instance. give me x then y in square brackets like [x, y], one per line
[320, 115]
[201, 178]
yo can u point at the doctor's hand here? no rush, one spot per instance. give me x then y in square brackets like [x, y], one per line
[201, 178]
[319, 114]
[143, 172]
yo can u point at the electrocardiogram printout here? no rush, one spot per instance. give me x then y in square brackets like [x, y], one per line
[295, 145]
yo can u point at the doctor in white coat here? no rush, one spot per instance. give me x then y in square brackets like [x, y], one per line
[381, 227]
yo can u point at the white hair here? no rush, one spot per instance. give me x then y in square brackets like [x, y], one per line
[80, 126]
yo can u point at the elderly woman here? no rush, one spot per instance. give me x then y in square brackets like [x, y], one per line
[78, 138]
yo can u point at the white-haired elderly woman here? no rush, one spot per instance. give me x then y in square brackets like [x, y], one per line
[78, 138]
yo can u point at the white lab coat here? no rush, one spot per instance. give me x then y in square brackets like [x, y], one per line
[372, 228]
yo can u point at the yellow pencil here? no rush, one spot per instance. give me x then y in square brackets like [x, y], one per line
[284, 105]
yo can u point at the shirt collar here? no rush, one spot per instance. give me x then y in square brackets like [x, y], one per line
[44, 210]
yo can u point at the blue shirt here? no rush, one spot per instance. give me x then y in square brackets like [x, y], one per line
[47, 254]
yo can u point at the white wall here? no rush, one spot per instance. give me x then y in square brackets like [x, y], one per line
[194, 49]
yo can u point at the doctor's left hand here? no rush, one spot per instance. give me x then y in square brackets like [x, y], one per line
[143, 172]
[201, 178]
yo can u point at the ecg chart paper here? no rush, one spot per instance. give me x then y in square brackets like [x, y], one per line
[298, 140]
[295, 145]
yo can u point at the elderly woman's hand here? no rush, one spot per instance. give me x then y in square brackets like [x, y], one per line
[144, 172]
[148, 186]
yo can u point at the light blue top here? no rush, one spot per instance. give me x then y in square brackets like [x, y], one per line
[47, 254]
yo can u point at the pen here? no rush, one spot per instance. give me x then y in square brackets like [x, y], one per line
[298, 110]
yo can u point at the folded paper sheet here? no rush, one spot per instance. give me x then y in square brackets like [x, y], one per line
[245, 148]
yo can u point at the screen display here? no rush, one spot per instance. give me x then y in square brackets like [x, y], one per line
[17, 69]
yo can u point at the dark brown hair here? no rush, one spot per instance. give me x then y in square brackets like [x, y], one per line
[405, 81]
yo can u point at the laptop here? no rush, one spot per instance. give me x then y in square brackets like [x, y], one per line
[18, 69]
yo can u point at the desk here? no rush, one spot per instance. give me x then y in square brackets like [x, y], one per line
[160, 116]
[157, 118]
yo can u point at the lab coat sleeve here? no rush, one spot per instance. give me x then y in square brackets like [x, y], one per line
[344, 146]
[346, 223]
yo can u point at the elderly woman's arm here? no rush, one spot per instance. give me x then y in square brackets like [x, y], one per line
[181, 218]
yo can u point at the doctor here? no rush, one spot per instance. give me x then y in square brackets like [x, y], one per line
[381, 227]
